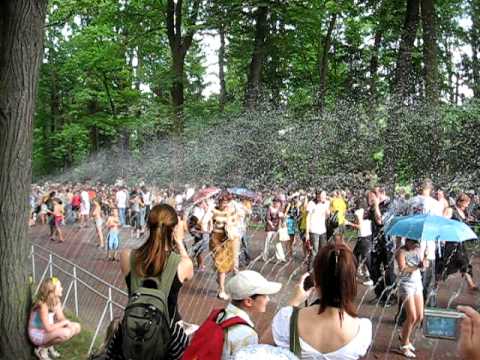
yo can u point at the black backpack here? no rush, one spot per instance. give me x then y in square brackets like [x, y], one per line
[146, 325]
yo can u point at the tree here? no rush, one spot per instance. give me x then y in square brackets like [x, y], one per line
[323, 61]
[475, 43]
[400, 93]
[179, 45]
[404, 59]
[430, 51]
[21, 42]
[256, 63]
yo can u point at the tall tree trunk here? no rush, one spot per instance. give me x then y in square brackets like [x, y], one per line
[221, 68]
[179, 46]
[404, 58]
[401, 85]
[374, 65]
[430, 51]
[21, 48]
[432, 93]
[475, 43]
[450, 72]
[380, 13]
[177, 89]
[256, 64]
[323, 63]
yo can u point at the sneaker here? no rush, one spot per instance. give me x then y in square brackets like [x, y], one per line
[407, 352]
[53, 353]
[41, 353]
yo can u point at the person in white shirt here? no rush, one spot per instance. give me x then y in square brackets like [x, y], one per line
[425, 204]
[147, 201]
[121, 197]
[249, 293]
[84, 207]
[348, 337]
[318, 211]
[363, 247]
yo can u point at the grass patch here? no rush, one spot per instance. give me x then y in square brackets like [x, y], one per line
[77, 347]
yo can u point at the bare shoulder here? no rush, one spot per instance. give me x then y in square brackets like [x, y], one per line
[185, 269]
[125, 261]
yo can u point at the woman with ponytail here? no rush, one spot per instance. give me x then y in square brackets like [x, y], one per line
[329, 328]
[163, 248]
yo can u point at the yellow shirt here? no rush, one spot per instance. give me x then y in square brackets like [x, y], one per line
[340, 206]
[303, 218]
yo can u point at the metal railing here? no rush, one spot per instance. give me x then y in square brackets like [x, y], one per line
[106, 299]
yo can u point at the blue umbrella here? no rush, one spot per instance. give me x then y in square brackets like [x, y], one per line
[242, 192]
[429, 228]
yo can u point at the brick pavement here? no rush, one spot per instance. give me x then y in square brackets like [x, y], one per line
[198, 297]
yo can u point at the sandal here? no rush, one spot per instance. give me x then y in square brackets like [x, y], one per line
[407, 352]
[408, 346]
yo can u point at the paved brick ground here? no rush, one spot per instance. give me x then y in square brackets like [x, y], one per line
[199, 296]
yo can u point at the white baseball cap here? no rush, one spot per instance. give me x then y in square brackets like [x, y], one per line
[247, 283]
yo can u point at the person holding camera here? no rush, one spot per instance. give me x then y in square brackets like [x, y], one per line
[334, 280]
[410, 290]
[469, 340]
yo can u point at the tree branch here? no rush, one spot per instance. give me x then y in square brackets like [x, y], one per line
[178, 20]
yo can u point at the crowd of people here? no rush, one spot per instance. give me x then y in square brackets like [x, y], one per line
[402, 271]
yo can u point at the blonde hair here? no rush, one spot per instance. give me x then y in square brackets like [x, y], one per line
[46, 293]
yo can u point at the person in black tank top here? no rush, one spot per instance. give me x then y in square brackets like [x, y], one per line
[163, 248]
[455, 256]
[172, 296]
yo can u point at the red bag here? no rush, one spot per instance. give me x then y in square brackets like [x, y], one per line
[207, 342]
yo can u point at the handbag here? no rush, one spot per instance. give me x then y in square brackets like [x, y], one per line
[283, 234]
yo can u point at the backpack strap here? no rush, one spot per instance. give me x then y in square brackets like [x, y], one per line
[236, 320]
[219, 314]
[169, 272]
[166, 277]
[294, 336]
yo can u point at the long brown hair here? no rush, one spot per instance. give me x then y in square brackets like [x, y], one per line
[335, 271]
[152, 255]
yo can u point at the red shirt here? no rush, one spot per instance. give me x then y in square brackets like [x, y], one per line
[76, 200]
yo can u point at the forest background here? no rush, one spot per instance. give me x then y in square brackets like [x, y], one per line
[310, 92]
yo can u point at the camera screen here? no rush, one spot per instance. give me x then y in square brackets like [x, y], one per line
[437, 326]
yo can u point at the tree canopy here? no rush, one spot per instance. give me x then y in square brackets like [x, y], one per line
[357, 82]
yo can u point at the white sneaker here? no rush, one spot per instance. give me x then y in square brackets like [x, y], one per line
[41, 353]
[368, 282]
[53, 353]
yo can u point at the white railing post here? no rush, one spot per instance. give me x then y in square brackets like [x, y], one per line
[97, 330]
[50, 264]
[110, 306]
[33, 264]
[75, 293]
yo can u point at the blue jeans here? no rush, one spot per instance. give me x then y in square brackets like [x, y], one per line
[143, 211]
[121, 215]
